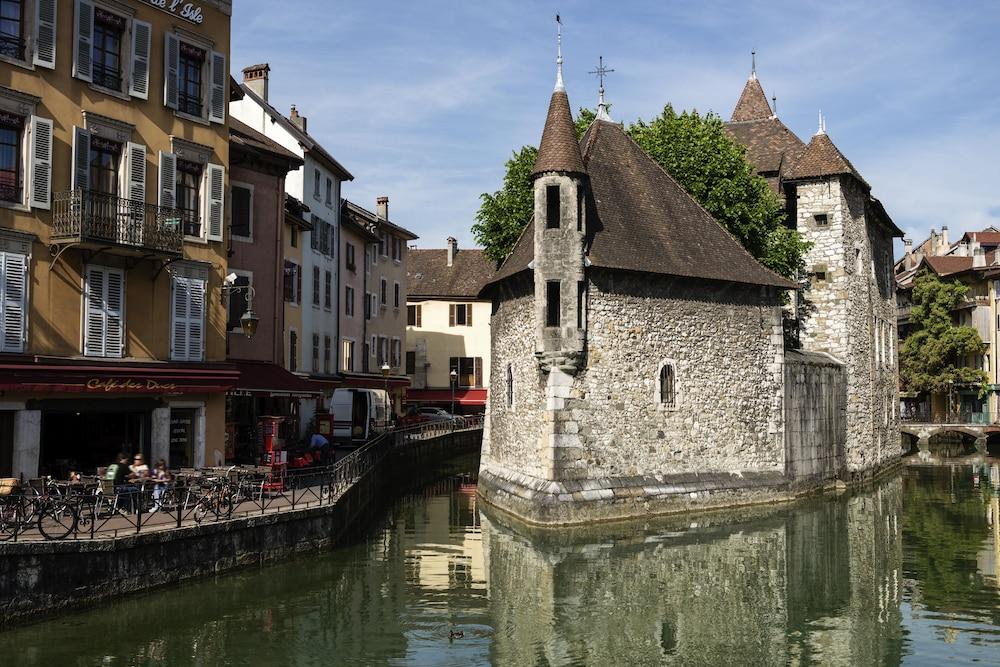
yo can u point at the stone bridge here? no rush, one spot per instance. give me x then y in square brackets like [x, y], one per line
[930, 438]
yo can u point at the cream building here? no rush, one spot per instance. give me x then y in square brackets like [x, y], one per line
[448, 328]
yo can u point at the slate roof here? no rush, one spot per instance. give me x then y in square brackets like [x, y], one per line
[643, 220]
[428, 274]
[559, 149]
[822, 158]
[752, 104]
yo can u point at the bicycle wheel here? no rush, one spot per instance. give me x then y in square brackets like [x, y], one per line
[57, 520]
[11, 516]
[201, 510]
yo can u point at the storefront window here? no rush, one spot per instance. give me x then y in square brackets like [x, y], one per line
[10, 157]
[105, 157]
[192, 60]
[108, 31]
[12, 29]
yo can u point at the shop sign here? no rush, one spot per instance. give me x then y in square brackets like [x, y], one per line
[110, 384]
[185, 10]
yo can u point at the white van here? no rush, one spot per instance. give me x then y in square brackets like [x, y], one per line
[359, 414]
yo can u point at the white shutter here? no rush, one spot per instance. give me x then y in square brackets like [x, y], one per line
[168, 180]
[196, 319]
[13, 303]
[142, 35]
[83, 41]
[41, 163]
[179, 318]
[45, 34]
[171, 65]
[219, 78]
[104, 319]
[135, 173]
[81, 159]
[114, 313]
[214, 193]
[94, 318]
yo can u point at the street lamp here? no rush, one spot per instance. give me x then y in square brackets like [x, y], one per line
[454, 381]
[249, 319]
[385, 377]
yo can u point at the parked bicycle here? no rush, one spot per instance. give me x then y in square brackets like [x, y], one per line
[53, 516]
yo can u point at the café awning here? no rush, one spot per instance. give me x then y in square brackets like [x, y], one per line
[44, 375]
[261, 378]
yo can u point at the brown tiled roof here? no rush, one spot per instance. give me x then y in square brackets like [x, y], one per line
[428, 274]
[645, 221]
[822, 158]
[767, 141]
[752, 104]
[985, 238]
[559, 150]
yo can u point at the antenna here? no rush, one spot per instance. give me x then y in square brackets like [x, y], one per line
[602, 106]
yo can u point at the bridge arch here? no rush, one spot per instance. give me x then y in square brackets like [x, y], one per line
[953, 441]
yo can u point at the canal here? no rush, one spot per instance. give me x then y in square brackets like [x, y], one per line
[903, 573]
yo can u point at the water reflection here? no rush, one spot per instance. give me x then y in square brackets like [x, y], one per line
[905, 572]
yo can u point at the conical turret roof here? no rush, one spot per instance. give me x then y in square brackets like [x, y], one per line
[753, 103]
[559, 150]
[822, 158]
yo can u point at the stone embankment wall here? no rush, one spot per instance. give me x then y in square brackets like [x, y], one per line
[815, 416]
[42, 578]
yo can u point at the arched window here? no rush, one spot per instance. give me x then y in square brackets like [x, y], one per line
[668, 394]
[510, 386]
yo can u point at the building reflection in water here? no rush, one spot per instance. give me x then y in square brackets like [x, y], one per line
[810, 583]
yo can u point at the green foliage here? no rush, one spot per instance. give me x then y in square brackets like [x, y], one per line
[932, 357]
[697, 152]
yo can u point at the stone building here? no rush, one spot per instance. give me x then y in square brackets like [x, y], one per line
[638, 353]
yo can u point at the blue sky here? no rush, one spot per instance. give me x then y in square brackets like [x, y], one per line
[424, 100]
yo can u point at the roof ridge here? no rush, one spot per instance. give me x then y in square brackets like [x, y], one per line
[524, 229]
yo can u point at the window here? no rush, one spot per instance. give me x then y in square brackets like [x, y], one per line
[397, 248]
[13, 294]
[667, 390]
[552, 207]
[189, 178]
[349, 256]
[469, 369]
[383, 351]
[397, 352]
[326, 354]
[107, 49]
[110, 50]
[348, 301]
[316, 286]
[292, 283]
[315, 357]
[12, 29]
[242, 212]
[11, 127]
[411, 362]
[188, 316]
[383, 247]
[819, 273]
[368, 306]
[293, 236]
[460, 315]
[329, 191]
[384, 292]
[293, 351]
[105, 161]
[316, 184]
[552, 303]
[327, 284]
[104, 308]
[348, 355]
[395, 295]
[579, 211]
[581, 304]
[413, 316]
[510, 386]
[237, 302]
[821, 220]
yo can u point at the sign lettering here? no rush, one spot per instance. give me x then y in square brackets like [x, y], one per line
[110, 384]
[185, 10]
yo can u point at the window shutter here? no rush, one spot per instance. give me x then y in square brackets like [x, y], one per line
[94, 329]
[41, 163]
[114, 345]
[171, 65]
[168, 180]
[135, 174]
[468, 314]
[83, 42]
[451, 314]
[45, 34]
[419, 315]
[219, 78]
[142, 35]
[104, 331]
[298, 284]
[81, 159]
[179, 319]
[215, 181]
[479, 371]
[13, 306]
[196, 319]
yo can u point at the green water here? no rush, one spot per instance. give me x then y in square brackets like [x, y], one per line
[903, 573]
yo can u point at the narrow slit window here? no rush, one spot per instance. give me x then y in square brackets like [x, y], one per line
[581, 303]
[668, 396]
[552, 207]
[510, 386]
[579, 211]
[552, 303]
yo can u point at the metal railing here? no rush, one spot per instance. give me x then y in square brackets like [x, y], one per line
[94, 509]
[85, 215]
[967, 417]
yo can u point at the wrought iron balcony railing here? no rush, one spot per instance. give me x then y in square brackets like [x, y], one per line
[87, 216]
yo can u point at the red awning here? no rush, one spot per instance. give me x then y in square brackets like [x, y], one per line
[261, 378]
[52, 375]
[370, 381]
[462, 396]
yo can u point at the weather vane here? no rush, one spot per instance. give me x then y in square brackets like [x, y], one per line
[601, 72]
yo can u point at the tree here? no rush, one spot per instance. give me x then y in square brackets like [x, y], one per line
[932, 357]
[697, 152]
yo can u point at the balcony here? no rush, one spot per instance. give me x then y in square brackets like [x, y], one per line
[109, 222]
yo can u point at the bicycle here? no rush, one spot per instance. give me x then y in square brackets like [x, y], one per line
[217, 501]
[54, 517]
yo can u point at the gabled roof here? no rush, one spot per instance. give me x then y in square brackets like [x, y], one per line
[752, 104]
[306, 140]
[243, 135]
[559, 149]
[359, 220]
[988, 237]
[428, 274]
[643, 220]
[822, 158]
[379, 223]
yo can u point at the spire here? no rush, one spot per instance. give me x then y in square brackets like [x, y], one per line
[753, 102]
[559, 149]
[822, 124]
[602, 106]
[559, 79]
[774, 105]
[753, 64]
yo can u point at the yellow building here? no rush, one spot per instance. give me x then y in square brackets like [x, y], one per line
[114, 149]
[448, 328]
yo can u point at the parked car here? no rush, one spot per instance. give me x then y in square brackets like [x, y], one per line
[413, 417]
[435, 414]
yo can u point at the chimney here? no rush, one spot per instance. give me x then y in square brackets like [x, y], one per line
[297, 120]
[962, 250]
[908, 258]
[382, 207]
[255, 78]
[452, 249]
[978, 258]
[944, 240]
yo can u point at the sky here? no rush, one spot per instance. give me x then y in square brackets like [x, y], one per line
[424, 101]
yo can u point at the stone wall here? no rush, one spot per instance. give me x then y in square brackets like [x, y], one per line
[815, 416]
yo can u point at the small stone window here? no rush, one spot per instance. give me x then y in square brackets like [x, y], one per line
[819, 273]
[821, 219]
[510, 386]
[552, 207]
[667, 386]
[552, 303]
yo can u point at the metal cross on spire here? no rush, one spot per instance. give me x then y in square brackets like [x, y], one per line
[601, 72]
[559, 77]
